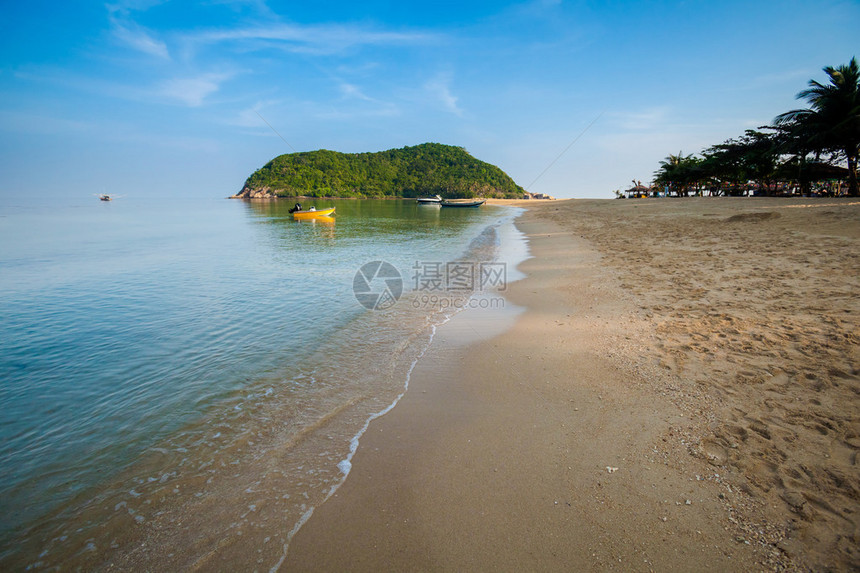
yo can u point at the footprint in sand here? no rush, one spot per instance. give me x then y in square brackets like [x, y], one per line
[715, 453]
[760, 429]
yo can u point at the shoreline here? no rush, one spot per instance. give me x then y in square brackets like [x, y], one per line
[561, 442]
[229, 487]
[501, 459]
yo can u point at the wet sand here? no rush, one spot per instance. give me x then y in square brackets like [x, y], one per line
[680, 394]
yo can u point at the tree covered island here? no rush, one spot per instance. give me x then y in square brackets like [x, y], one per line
[426, 169]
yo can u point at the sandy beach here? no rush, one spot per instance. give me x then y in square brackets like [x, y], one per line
[680, 393]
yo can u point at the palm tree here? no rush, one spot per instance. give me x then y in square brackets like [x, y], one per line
[832, 122]
[673, 161]
[677, 173]
[792, 138]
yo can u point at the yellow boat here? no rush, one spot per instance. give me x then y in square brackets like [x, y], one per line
[299, 215]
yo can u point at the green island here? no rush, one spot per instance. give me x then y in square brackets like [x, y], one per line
[425, 169]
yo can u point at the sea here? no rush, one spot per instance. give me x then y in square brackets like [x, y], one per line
[184, 378]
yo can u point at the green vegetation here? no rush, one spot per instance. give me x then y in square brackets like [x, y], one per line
[802, 147]
[426, 169]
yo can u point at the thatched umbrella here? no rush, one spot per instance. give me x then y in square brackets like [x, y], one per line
[638, 191]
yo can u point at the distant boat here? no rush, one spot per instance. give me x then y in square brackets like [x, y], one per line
[429, 200]
[477, 203]
[105, 198]
[312, 214]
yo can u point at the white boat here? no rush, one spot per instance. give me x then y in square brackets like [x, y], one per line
[437, 200]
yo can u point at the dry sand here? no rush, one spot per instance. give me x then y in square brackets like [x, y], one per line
[706, 348]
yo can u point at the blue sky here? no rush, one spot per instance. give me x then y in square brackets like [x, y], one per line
[144, 97]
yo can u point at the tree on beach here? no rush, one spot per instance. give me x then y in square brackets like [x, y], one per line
[791, 139]
[802, 146]
[673, 162]
[831, 124]
[678, 172]
[751, 157]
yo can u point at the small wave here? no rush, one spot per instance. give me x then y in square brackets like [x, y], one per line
[485, 246]
[345, 465]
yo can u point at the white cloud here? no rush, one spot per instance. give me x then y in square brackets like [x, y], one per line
[192, 91]
[353, 91]
[317, 39]
[139, 39]
[439, 90]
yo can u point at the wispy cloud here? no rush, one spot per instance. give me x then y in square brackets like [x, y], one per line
[192, 90]
[138, 38]
[190, 53]
[315, 39]
[353, 91]
[439, 90]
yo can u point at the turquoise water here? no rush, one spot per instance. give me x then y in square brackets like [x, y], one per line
[180, 347]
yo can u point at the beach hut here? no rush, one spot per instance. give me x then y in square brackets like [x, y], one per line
[638, 191]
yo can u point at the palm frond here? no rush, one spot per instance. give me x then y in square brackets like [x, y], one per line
[791, 116]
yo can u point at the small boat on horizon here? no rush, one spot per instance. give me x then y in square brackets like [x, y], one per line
[105, 197]
[436, 200]
[476, 203]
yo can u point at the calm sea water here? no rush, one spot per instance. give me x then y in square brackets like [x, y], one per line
[163, 359]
